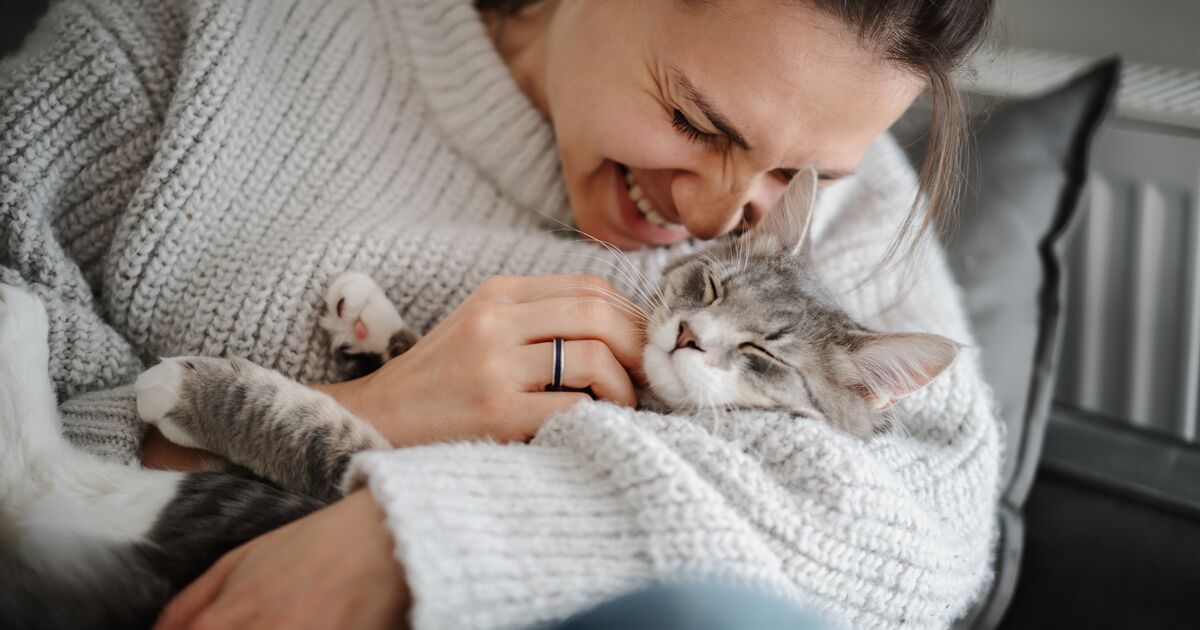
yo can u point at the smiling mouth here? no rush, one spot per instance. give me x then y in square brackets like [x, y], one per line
[643, 205]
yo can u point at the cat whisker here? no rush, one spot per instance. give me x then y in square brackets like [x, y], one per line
[615, 295]
[638, 279]
[896, 428]
[637, 315]
[628, 273]
[640, 291]
[616, 300]
[620, 255]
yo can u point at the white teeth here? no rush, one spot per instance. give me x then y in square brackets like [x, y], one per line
[638, 196]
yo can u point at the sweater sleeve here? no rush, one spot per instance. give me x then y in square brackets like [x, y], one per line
[78, 119]
[888, 533]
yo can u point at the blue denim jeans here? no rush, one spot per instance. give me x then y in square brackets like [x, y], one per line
[694, 606]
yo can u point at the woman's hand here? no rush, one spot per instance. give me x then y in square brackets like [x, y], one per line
[331, 569]
[161, 454]
[483, 371]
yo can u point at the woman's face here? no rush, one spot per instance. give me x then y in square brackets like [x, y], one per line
[680, 117]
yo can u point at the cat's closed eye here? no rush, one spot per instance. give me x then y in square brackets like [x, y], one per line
[781, 333]
[756, 356]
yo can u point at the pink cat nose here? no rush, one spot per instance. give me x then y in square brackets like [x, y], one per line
[686, 338]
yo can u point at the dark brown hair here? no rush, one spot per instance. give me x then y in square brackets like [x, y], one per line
[930, 38]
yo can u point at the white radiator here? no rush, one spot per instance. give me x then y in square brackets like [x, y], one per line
[1131, 348]
[1132, 343]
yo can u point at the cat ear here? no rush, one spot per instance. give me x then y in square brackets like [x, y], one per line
[785, 227]
[890, 366]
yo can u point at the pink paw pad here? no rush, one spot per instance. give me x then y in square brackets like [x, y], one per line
[360, 329]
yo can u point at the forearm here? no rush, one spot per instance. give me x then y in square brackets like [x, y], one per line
[295, 576]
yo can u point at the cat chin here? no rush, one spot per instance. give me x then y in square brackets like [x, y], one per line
[662, 378]
[685, 381]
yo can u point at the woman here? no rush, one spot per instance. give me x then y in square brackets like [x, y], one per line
[207, 169]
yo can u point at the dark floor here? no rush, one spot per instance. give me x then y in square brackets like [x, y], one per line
[1098, 559]
[17, 18]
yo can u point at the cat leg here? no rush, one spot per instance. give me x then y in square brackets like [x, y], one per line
[361, 320]
[293, 435]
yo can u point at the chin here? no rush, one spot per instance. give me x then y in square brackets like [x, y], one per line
[661, 377]
[683, 379]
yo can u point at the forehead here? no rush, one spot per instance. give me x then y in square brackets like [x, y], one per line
[753, 279]
[798, 83]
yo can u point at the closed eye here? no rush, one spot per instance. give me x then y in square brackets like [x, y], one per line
[753, 347]
[786, 175]
[779, 334]
[689, 130]
[758, 358]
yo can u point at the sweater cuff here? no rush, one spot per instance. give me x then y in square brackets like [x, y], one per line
[105, 423]
[495, 536]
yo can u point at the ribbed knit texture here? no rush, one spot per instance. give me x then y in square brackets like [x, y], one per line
[188, 177]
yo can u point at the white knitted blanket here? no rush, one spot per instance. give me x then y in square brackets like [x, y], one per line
[187, 177]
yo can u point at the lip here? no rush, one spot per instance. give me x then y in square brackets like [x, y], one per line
[634, 223]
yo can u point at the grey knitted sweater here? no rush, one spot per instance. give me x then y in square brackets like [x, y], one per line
[187, 177]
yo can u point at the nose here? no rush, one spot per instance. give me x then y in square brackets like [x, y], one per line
[686, 338]
[713, 205]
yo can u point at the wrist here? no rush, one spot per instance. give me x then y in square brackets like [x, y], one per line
[377, 549]
[360, 398]
[348, 394]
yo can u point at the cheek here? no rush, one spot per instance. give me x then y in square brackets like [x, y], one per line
[662, 330]
[642, 138]
[661, 376]
[763, 196]
[753, 393]
[613, 129]
[618, 119]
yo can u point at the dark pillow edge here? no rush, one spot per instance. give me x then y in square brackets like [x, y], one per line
[1052, 296]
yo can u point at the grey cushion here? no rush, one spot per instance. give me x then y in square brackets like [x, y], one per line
[1024, 189]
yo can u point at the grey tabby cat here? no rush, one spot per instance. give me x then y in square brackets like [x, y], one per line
[89, 543]
[747, 324]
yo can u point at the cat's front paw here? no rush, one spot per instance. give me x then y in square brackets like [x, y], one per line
[159, 391]
[23, 323]
[359, 316]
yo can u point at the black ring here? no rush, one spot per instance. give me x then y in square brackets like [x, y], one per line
[558, 364]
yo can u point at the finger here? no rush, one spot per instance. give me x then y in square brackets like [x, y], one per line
[586, 364]
[542, 404]
[501, 290]
[582, 318]
[521, 289]
[184, 607]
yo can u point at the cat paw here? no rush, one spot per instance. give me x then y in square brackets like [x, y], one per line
[22, 320]
[359, 316]
[159, 390]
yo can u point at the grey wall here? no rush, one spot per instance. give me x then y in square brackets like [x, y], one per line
[1163, 32]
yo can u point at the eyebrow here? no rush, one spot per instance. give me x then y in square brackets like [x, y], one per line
[706, 107]
[724, 125]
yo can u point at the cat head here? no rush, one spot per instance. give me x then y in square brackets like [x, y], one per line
[746, 324]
